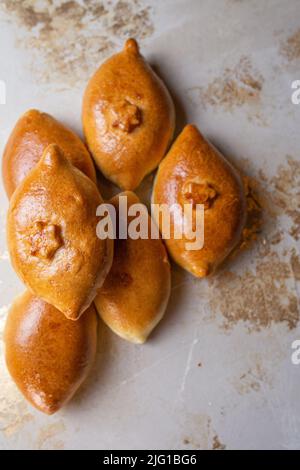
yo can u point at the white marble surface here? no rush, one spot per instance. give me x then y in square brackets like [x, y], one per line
[217, 371]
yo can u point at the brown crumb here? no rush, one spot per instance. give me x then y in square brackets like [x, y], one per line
[295, 264]
[265, 293]
[277, 237]
[202, 434]
[284, 191]
[68, 39]
[237, 86]
[217, 444]
[258, 297]
[254, 214]
[290, 49]
[252, 380]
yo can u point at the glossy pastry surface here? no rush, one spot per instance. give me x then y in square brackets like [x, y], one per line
[31, 135]
[51, 234]
[136, 291]
[194, 172]
[47, 355]
[128, 117]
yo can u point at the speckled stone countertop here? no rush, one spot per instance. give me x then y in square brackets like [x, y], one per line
[217, 372]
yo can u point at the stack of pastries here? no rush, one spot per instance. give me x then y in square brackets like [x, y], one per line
[70, 274]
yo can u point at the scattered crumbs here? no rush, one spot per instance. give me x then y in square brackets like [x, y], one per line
[13, 412]
[236, 87]
[217, 444]
[295, 264]
[258, 118]
[49, 432]
[254, 213]
[258, 297]
[279, 196]
[290, 49]
[266, 292]
[285, 193]
[276, 237]
[68, 39]
[252, 380]
[203, 436]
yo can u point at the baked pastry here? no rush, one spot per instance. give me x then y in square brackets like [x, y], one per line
[128, 117]
[194, 172]
[51, 233]
[47, 355]
[136, 291]
[32, 134]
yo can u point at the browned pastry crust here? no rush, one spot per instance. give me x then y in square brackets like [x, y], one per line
[194, 172]
[47, 355]
[51, 233]
[33, 132]
[135, 294]
[128, 117]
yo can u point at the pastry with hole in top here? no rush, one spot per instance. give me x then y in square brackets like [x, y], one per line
[135, 294]
[128, 117]
[47, 355]
[194, 172]
[51, 234]
[31, 135]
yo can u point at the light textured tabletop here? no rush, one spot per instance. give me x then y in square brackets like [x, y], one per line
[217, 372]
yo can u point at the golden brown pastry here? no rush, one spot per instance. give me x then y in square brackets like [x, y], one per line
[32, 134]
[136, 291]
[51, 233]
[47, 355]
[194, 172]
[128, 117]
